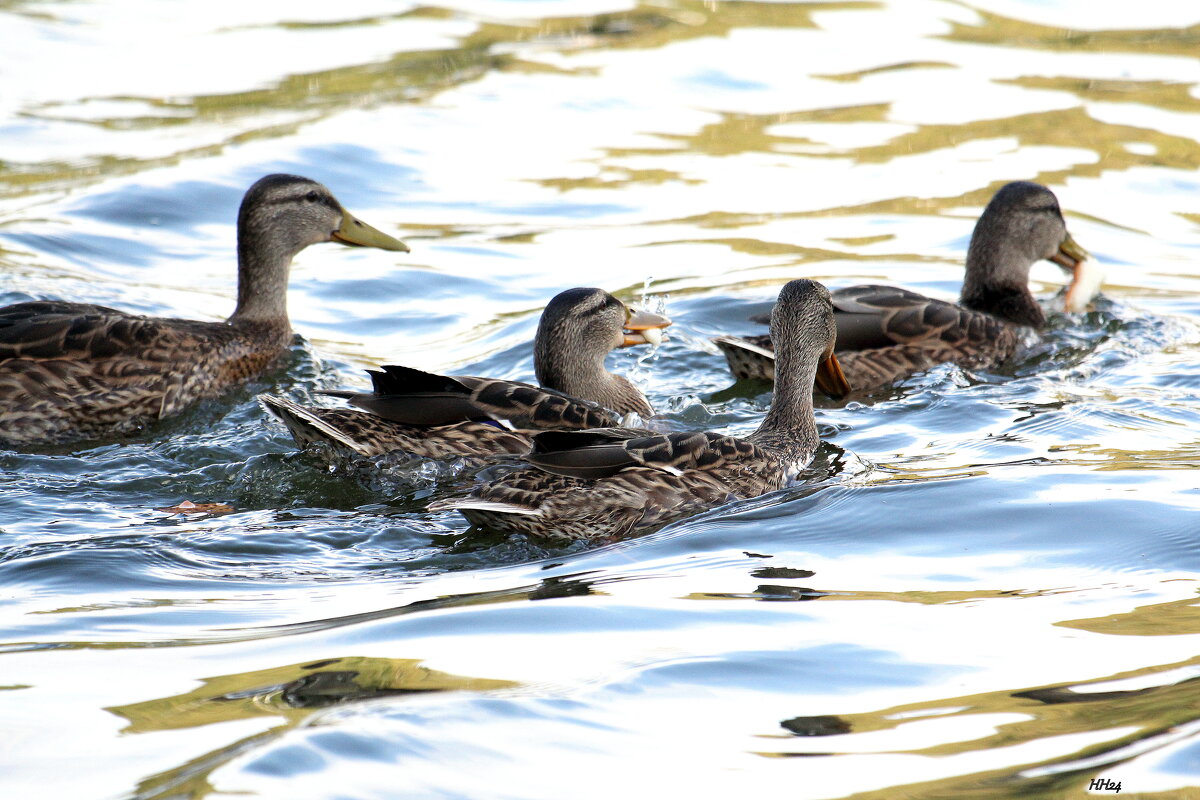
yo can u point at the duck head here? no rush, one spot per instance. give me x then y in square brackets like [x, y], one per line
[577, 331]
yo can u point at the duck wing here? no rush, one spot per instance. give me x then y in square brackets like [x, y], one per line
[71, 371]
[874, 316]
[885, 333]
[594, 454]
[871, 316]
[361, 433]
[414, 397]
[587, 484]
[77, 331]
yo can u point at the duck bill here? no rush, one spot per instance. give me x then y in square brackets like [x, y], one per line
[830, 378]
[1069, 255]
[644, 327]
[354, 231]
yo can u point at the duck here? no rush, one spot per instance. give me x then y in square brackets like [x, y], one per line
[443, 417]
[74, 371]
[886, 333]
[607, 483]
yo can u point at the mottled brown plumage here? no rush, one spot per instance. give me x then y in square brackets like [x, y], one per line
[72, 371]
[886, 333]
[605, 483]
[439, 416]
[347, 430]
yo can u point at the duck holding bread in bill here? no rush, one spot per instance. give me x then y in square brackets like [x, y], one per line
[444, 417]
[885, 333]
[599, 484]
[75, 371]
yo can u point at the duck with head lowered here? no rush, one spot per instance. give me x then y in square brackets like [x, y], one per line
[73, 371]
[599, 484]
[886, 333]
[443, 417]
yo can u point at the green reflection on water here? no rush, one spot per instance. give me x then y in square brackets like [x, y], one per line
[798, 254]
[921, 597]
[302, 98]
[1160, 94]
[1177, 618]
[417, 76]
[1045, 711]
[1006, 31]
[405, 77]
[278, 110]
[736, 133]
[293, 691]
[650, 25]
[1111, 459]
[903, 67]
[1070, 127]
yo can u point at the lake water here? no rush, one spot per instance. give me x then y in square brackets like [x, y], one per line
[985, 588]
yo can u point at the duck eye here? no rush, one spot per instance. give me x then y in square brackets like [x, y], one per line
[312, 197]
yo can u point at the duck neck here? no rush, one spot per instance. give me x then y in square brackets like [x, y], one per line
[262, 282]
[582, 375]
[1014, 304]
[997, 281]
[790, 424]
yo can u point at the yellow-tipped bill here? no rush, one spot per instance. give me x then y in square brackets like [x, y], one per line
[1069, 254]
[356, 232]
[830, 378]
[644, 327]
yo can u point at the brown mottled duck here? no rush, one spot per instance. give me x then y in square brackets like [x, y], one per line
[74, 371]
[886, 333]
[443, 417]
[610, 482]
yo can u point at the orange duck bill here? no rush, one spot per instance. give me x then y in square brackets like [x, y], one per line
[830, 378]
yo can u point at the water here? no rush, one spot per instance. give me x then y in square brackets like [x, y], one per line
[986, 587]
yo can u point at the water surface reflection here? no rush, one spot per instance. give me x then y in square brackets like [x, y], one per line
[989, 592]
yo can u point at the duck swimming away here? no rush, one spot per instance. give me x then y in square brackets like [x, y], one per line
[74, 371]
[886, 333]
[443, 417]
[599, 484]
